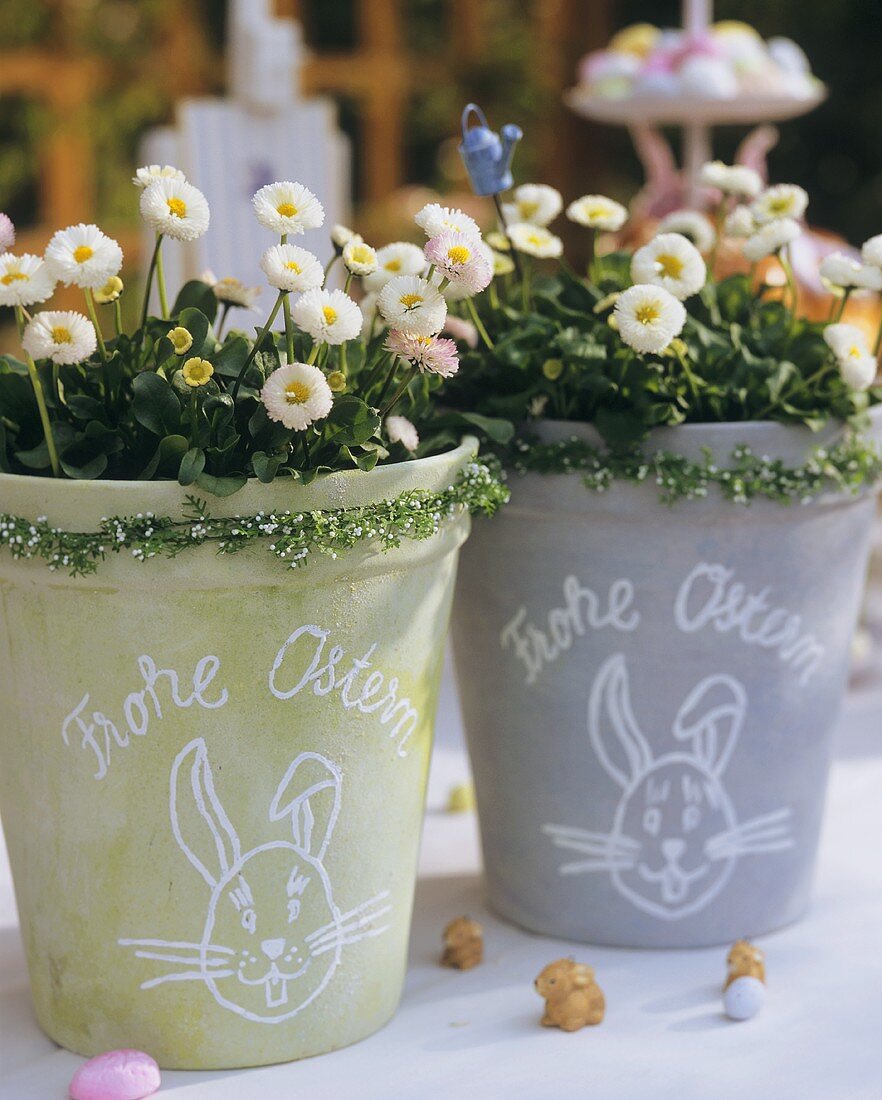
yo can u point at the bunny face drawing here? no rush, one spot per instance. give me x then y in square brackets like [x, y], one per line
[675, 837]
[273, 935]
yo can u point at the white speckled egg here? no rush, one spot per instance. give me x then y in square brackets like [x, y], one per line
[744, 998]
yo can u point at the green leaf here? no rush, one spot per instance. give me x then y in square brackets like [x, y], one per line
[154, 404]
[266, 466]
[350, 422]
[90, 470]
[620, 427]
[37, 458]
[196, 295]
[220, 486]
[192, 465]
[85, 407]
[197, 324]
[166, 458]
[230, 359]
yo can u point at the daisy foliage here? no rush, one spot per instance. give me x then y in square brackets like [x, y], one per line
[340, 369]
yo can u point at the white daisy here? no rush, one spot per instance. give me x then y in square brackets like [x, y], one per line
[465, 262]
[856, 363]
[292, 269]
[739, 222]
[598, 212]
[24, 280]
[83, 255]
[839, 270]
[412, 305]
[359, 258]
[434, 219]
[536, 203]
[287, 207]
[731, 179]
[400, 430]
[63, 337]
[457, 291]
[297, 394]
[771, 238]
[329, 316]
[690, 224]
[784, 200]
[233, 292]
[648, 318]
[670, 261]
[341, 235]
[175, 209]
[503, 264]
[150, 172]
[535, 240]
[399, 258]
[871, 251]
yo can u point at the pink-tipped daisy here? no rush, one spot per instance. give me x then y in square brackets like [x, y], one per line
[459, 260]
[7, 233]
[432, 354]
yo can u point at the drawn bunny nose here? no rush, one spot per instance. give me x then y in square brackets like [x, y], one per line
[272, 948]
[673, 848]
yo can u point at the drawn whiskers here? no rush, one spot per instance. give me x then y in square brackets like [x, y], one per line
[183, 953]
[349, 927]
[606, 851]
[767, 833]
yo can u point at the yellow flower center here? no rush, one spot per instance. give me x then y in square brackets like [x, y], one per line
[361, 254]
[670, 266]
[598, 211]
[854, 351]
[647, 313]
[296, 393]
[177, 207]
[426, 341]
[459, 254]
[83, 253]
[536, 239]
[779, 205]
[286, 209]
[527, 209]
[13, 277]
[61, 335]
[393, 265]
[330, 314]
[410, 300]
[295, 267]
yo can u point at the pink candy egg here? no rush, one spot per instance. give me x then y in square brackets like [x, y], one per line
[116, 1075]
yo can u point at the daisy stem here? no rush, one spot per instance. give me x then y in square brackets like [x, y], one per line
[93, 317]
[313, 354]
[375, 371]
[719, 220]
[43, 411]
[149, 285]
[348, 282]
[305, 439]
[445, 282]
[223, 319]
[328, 267]
[392, 368]
[525, 288]
[497, 202]
[343, 362]
[117, 316]
[289, 328]
[160, 283]
[845, 293]
[690, 377]
[397, 395]
[784, 260]
[470, 306]
[430, 273]
[257, 344]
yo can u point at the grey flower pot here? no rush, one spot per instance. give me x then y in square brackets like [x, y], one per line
[650, 692]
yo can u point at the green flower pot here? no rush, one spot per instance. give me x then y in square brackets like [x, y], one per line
[213, 773]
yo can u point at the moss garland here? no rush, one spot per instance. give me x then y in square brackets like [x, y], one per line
[292, 536]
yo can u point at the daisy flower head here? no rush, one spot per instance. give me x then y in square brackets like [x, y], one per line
[110, 291]
[856, 363]
[150, 172]
[536, 203]
[398, 258]
[328, 316]
[434, 219]
[287, 207]
[341, 235]
[292, 269]
[431, 354]
[692, 225]
[672, 262]
[731, 179]
[598, 212]
[784, 200]
[648, 317]
[359, 258]
[535, 240]
[871, 251]
[197, 372]
[400, 430]
[297, 395]
[498, 241]
[175, 209]
[461, 260]
[181, 340]
[83, 255]
[7, 233]
[839, 270]
[24, 280]
[233, 292]
[413, 305]
[63, 337]
[739, 222]
[769, 239]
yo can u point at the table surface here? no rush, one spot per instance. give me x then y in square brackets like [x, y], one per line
[477, 1033]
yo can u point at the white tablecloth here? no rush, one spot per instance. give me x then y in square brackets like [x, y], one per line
[477, 1033]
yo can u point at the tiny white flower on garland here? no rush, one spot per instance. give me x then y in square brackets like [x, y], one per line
[292, 269]
[297, 395]
[24, 280]
[174, 208]
[328, 316]
[672, 262]
[648, 317]
[286, 207]
[534, 203]
[83, 256]
[62, 336]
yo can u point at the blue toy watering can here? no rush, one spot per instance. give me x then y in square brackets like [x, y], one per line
[486, 154]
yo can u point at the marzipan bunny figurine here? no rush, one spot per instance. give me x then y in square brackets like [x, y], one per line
[745, 961]
[573, 999]
[463, 944]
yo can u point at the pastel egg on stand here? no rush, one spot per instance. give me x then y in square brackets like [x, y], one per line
[743, 998]
[116, 1075]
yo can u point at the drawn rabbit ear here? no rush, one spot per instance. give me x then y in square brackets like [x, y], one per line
[711, 717]
[200, 825]
[618, 742]
[657, 158]
[755, 148]
[310, 795]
